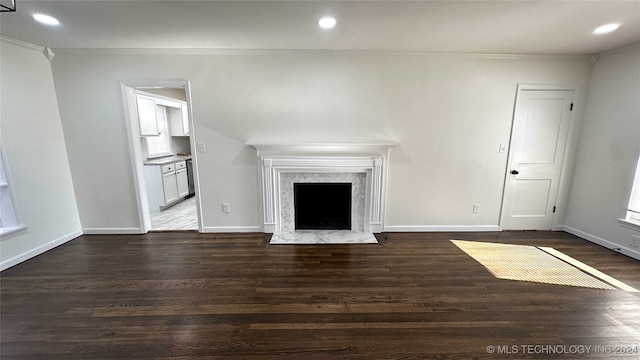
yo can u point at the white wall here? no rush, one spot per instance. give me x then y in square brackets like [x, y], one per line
[608, 151]
[36, 154]
[449, 112]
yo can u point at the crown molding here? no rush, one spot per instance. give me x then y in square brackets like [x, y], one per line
[222, 51]
[619, 50]
[45, 51]
[21, 43]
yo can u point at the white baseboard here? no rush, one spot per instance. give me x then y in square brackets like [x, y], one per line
[39, 250]
[440, 228]
[633, 253]
[112, 231]
[231, 229]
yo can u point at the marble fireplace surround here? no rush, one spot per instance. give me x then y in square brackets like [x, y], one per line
[287, 204]
[362, 164]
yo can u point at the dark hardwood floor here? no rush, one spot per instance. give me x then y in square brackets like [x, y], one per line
[232, 296]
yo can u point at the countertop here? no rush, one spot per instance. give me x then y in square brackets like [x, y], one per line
[167, 160]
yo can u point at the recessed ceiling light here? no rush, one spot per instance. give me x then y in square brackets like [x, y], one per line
[604, 29]
[327, 22]
[46, 19]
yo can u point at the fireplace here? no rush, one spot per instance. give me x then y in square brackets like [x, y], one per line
[362, 165]
[322, 206]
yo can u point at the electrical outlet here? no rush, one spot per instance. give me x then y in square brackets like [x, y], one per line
[636, 241]
[226, 208]
[476, 208]
[201, 147]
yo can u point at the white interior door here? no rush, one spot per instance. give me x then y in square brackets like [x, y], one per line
[538, 139]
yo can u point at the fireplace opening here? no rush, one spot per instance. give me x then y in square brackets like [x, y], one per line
[322, 206]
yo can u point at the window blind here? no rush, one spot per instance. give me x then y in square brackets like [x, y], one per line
[634, 200]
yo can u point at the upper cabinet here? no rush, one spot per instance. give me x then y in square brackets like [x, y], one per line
[147, 116]
[175, 110]
[179, 120]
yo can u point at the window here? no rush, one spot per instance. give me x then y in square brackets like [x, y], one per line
[633, 210]
[9, 218]
[160, 145]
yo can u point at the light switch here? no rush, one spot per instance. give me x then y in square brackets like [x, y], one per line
[503, 148]
[201, 147]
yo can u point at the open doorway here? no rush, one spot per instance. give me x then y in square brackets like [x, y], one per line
[161, 139]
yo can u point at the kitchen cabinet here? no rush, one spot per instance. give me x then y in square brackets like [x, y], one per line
[182, 182]
[166, 184]
[179, 120]
[147, 116]
[169, 187]
[176, 112]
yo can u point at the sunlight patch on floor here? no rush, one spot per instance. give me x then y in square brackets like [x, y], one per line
[540, 265]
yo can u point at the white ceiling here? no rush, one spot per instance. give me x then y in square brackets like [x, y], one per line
[495, 27]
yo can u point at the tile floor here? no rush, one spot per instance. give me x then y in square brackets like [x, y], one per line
[182, 216]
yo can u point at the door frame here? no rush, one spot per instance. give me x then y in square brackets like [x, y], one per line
[135, 149]
[565, 174]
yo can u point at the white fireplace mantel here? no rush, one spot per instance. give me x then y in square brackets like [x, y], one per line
[275, 159]
[323, 148]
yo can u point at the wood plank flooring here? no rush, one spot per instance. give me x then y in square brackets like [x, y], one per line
[184, 295]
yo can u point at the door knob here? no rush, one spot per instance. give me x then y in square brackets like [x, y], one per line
[514, 172]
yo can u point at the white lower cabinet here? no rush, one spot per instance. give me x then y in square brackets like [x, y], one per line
[169, 188]
[182, 182]
[166, 184]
